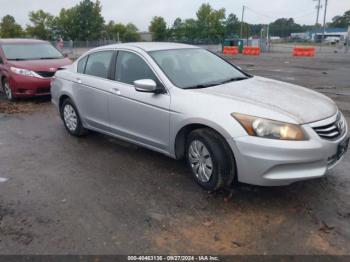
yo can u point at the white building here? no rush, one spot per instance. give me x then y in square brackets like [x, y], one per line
[146, 36]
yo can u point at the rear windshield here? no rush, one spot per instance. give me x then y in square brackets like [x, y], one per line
[30, 51]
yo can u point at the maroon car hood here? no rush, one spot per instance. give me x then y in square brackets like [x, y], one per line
[41, 65]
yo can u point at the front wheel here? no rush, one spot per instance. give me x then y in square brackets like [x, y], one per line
[71, 119]
[207, 156]
[7, 90]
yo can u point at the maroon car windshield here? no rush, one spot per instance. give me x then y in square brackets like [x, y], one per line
[30, 51]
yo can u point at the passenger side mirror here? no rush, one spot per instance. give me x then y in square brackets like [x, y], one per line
[145, 85]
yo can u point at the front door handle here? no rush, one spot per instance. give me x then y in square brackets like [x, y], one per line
[78, 80]
[116, 91]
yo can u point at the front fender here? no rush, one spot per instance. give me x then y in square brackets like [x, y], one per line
[231, 129]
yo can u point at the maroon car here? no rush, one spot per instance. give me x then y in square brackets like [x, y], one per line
[27, 66]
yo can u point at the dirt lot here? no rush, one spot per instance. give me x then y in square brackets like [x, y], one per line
[98, 195]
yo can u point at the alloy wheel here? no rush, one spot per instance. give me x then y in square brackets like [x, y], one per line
[200, 161]
[70, 117]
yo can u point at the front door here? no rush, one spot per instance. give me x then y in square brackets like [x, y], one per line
[139, 116]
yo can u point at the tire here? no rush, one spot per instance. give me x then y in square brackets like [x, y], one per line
[7, 90]
[71, 119]
[204, 149]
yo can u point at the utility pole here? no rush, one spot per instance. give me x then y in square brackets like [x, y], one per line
[318, 7]
[324, 20]
[241, 34]
[268, 37]
[347, 40]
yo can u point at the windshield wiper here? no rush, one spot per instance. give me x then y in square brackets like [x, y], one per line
[17, 59]
[234, 79]
[202, 86]
[33, 58]
[46, 58]
[217, 83]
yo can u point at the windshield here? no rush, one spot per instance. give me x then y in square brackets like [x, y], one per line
[30, 51]
[195, 68]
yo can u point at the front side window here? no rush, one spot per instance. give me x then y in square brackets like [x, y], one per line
[98, 64]
[131, 67]
[195, 68]
[30, 51]
[81, 65]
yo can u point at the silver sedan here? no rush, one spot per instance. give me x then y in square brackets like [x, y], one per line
[186, 102]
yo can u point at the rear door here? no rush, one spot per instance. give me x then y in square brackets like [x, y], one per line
[91, 88]
[139, 116]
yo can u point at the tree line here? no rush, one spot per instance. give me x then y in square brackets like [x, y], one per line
[85, 22]
[80, 23]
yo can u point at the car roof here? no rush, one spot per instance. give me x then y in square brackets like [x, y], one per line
[21, 41]
[151, 46]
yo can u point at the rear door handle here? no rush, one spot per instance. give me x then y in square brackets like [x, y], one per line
[78, 80]
[116, 91]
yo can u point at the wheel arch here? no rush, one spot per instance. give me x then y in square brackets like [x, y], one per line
[182, 134]
[62, 98]
[181, 140]
[3, 77]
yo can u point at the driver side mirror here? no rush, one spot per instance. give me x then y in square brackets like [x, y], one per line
[145, 85]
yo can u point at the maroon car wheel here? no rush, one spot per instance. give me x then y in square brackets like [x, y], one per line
[7, 90]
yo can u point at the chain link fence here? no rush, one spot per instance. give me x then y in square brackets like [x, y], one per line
[74, 49]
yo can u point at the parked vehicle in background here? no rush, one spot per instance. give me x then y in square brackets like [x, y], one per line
[27, 67]
[332, 40]
[187, 102]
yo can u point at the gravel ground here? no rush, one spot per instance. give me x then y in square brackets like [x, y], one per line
[98, 195]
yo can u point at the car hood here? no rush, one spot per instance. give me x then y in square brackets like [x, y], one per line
[299, 103]
[41, 65]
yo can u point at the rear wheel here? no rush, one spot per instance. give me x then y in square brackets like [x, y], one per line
[71, 118]
[7, 90]
[207, 156]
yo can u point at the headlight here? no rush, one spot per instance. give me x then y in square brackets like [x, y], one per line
[24, 72]
[266, 128]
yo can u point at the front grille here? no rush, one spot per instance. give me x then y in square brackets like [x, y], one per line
[45, 73]
[332, 130]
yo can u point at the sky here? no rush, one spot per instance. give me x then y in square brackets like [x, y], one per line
[140, 12]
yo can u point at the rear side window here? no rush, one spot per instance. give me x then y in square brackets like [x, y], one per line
[82, 64]
[98, 64]
[131, 67]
